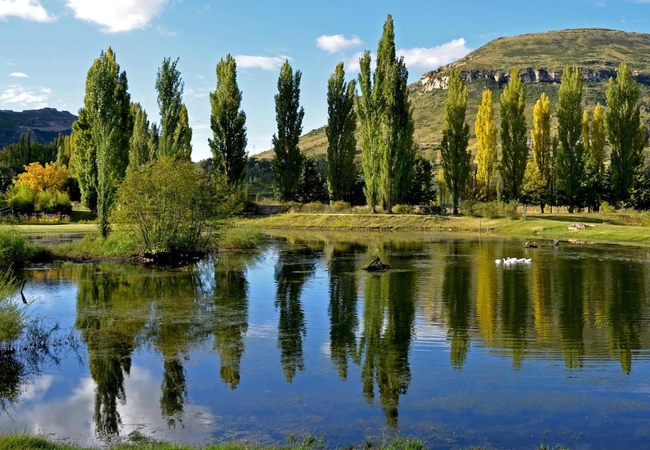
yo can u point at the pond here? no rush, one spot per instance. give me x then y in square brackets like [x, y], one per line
[448, 346]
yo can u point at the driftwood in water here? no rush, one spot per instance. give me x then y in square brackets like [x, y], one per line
[22, 286]
[376, 265]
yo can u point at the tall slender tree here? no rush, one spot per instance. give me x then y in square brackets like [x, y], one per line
[487, 156]
[389, 145]
[84, 155]
[371, 145]
[341, 142]
[228, 123]
[139, 143]
[514, 148]
[174, 126]
[570, 165]
[454, 156]
[107, 105]
[596, 159]
[542, 147]
[288, 160]
[625, 131]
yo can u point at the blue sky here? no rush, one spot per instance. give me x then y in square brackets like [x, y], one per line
[47, 46]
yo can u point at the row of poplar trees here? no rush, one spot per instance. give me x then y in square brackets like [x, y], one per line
[383, 110]
[113, 134]
[572, 160]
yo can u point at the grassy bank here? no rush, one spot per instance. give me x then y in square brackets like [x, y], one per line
[578, 228]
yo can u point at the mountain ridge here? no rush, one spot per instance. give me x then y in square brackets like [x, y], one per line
[45, 125]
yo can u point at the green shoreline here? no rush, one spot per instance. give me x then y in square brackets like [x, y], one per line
[569, 228]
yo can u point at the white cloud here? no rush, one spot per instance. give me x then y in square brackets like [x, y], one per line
[18, 75]
[16, 95]
[434, 57]
[260, 62]
[353, 63]
[337, 42]
[422, 58]
[25, 9]
[117, 15]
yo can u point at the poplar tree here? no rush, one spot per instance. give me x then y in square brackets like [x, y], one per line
[288, 161]
[371, 145]
[107, 109]
[228, 123]
[514, 148]
[341, 142]
[455, 135]
[388, 112]
[597, 155]
[139, 142]
[175, 133]
[570, 163]
[625, 132]
[542, 147]
[487, 156]
[84, 155]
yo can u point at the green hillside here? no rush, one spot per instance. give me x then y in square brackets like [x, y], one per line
[540, 59]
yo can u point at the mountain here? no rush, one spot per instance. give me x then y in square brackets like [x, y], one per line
[46, 124]
[540, 57]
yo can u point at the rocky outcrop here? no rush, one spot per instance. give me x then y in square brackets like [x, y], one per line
[439, 78]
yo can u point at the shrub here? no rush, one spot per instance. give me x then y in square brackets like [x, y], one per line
[471, 207]
[313, 207]
[339, 206]
[167, 204]
[21, 199]
[606, 208]
[402, 209]
[14, 248]
[11, 321]
[511, 210]
[51, 202]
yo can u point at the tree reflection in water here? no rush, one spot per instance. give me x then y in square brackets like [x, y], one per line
[231, 316]
[294, 267]
[388, 319]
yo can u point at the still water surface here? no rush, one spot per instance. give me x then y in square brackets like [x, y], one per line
[448, 346]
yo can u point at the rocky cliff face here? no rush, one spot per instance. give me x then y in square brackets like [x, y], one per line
[46, 124]
[439, 78]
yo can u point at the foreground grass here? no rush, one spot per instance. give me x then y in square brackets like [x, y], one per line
[309, 442]
[604, 228]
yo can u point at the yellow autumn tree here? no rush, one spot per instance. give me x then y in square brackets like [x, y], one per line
[540, 175]
[486, 155]
[38, 178]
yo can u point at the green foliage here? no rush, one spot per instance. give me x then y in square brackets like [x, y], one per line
[384, 109]
[369, 118]
[625, 131]
[175, 133]
[402, 209]
[107, 110]
[312, 187]
[15, 250]
[51, 202]
[422, 191]
[240, 238]
[570, 162]
[21, 199]
[454, 156]
[287, 164]
[537, 180]
[11, 320]
[514, 148]
[139, 144]
[313, 207]
[340, 131]
[166, 205]
[228, 123]
[84, 160]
